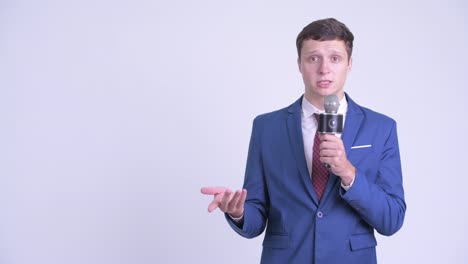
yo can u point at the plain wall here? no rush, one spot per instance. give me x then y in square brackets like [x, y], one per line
[114, 114]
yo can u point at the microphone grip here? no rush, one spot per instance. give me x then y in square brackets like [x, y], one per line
[330, 123]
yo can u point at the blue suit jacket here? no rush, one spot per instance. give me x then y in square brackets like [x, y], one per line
[339, 229]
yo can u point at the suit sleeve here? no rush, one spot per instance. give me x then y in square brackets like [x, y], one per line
[256, 204]
[381, 203]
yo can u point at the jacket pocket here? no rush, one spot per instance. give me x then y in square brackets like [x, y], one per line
[362, 151]
[275, 240]
[362, 241]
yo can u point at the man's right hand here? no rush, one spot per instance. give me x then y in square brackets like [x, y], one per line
[227, 201]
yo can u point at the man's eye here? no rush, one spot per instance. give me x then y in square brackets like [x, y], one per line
[313, 59]
[335, 59]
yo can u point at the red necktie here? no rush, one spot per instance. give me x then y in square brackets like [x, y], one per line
[319, 171]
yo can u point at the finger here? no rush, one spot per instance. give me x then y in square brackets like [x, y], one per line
[212, 190]
[327, 160]
[233, 202]
[327, 153]
[337, 153]
[213, 205]
[327, 145]
[332, 145]
[332, 161]
[329, 137]
[321, 136]
[225, 200]
[241, 201]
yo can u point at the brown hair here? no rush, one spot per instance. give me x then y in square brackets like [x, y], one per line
[326, 29]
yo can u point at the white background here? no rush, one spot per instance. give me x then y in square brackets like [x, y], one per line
[114, 114]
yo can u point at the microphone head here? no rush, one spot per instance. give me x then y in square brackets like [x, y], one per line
[331, 104]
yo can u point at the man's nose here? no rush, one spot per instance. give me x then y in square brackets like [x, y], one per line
[324, 67]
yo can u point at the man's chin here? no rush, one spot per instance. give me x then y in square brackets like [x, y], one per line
[325, 92]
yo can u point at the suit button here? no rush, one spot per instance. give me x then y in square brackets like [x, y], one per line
[319, 214]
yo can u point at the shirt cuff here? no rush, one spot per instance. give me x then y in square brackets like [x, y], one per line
[347, 187]
[238, 220]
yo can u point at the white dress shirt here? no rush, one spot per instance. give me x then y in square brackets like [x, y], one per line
[309, 127]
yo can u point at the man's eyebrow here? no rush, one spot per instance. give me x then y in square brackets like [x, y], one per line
[311, 51]
[318, 52]
[338, 51]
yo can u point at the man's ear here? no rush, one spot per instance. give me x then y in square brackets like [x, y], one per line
[350, 64]
[299, 64]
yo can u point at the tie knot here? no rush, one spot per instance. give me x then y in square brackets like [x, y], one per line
[316, 116]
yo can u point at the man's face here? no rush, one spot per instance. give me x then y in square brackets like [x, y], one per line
[324, 66]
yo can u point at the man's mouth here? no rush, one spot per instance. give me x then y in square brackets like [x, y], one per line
[324, 83]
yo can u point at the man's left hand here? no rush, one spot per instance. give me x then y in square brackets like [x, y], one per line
[332, 152]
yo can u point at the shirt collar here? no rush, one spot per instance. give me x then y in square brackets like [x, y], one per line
[309, 109]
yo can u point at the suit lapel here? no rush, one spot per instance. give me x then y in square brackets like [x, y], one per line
[297, 144]
[354, 118]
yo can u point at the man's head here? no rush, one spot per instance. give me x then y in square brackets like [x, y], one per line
[326, 29]
[324, 48]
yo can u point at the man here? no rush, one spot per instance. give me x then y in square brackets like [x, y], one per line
[311, 216]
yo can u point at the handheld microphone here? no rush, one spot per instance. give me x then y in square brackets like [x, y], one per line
[330, 121]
